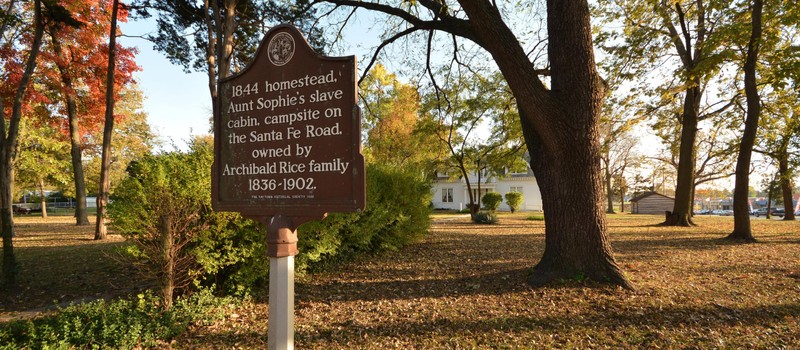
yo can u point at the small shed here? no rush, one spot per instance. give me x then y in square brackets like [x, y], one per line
[651, 203]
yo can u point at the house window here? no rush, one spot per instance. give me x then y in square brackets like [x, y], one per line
[447, 195]
[516, 189]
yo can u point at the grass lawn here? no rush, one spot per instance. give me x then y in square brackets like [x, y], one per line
[463, 286]
[61, 263]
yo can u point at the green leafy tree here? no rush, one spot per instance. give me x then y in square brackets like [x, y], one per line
[43, 161]
[693, 34]
[456, 113]
[133, 139]
[559, 115]
[395, 132]
[780, 139]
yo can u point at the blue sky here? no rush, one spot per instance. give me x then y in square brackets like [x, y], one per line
[178, 103]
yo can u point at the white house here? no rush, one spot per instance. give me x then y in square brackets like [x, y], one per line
[449, 193]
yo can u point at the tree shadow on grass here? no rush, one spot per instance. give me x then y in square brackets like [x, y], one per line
[659, 318]
[666, 244]
[498, 283]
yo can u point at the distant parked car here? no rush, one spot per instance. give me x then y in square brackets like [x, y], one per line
[703, 212]
[780, 212]
[760, 211]
[717, 212]
[727, 212]
[20, 210]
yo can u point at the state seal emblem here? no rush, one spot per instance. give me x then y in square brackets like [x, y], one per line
[281, 48]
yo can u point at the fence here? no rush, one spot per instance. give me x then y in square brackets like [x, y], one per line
[58, 208]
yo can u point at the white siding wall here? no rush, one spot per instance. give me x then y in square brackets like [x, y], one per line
[530, 192]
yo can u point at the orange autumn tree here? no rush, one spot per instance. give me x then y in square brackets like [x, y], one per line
[19, 49]
[75, 61]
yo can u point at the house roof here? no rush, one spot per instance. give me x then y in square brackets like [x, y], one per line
[648, 194]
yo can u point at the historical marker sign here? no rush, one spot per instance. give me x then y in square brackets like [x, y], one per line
[287, 133]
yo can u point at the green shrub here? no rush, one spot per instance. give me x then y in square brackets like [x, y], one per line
[396, 214]
[229, 251]
[491, 201]
[138, 322]
[210, 247]
[514, 200]
[485, 217]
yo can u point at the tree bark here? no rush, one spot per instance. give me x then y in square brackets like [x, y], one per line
[8, 146]
[786, 186]
[682, 209]
[562, 136]
[609, 199]
[43, 198]
[168, 280]
[769, 201]
[81, 215]
[741, 210]
[211, 57]
[108, 129]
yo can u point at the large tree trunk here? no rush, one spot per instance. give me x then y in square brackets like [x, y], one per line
[682, 209]
[576, 242]
[561, 132]
[8, 145]
[81, 215]
[786, 186]
[741, 207]
[108, 129]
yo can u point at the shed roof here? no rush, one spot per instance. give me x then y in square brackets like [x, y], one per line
[648, 194]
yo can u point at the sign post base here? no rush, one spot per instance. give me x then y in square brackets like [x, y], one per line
[281, 248]
[281, 303]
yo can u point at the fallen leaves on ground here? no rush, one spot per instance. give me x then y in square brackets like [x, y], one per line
[463, 287]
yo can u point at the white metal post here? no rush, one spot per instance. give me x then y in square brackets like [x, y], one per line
[281, 303]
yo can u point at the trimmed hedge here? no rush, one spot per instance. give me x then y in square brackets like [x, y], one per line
[491, 201]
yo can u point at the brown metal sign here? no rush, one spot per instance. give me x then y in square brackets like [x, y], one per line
[287, 133]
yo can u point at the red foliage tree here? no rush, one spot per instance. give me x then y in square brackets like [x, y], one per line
[75, 62]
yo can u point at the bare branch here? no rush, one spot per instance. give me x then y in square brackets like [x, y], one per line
[380, 48]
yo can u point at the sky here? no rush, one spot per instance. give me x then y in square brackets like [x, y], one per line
[178, 104]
